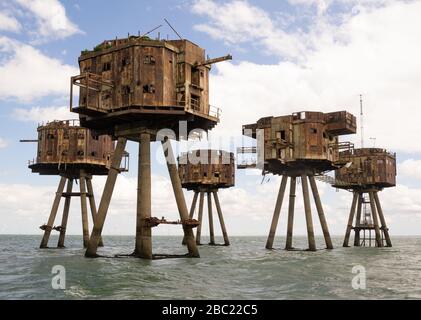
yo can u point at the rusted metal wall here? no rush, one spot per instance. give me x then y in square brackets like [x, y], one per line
[146, 73]
[206, 168]
[368, 167]
[304, 137]
[59, 142]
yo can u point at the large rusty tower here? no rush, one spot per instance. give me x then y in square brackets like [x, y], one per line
[368, 171]
[301, 145]
[76, 154]
[144, 90]
[205, 172]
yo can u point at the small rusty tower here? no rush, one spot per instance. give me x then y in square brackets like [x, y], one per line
[144, 90]
[76, 154]
[367, 172]
[303, 145]
[205, 172]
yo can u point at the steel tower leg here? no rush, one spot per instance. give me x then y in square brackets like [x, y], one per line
[382, 219]
[143, 247]
[221, 218]
[211, 230]
[60, 243]
[357, 241]
[276, 213]
[192, 208]
[84, 210]
[92, 205]
[309, 220]
[105, 199]
[320, 212]
[179, 197]
[375, 220]
[200, 218]
[350, 220]
[291, 207]
[53, 213]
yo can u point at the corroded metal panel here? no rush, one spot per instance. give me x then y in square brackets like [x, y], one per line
[206, 168]
[303, 141]
[143, 72]
[63, 146]
[368, 167]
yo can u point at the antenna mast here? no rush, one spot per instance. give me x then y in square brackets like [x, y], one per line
[361, 121]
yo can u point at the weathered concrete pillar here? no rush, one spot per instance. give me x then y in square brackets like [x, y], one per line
[379, 241]
[64, 219]
[320, 212]
[350, 219]
[179, 197]
[221, 218]
[382, 220]
[84, 210]
[106, 197]
[192, 208]
[92, 205]
[200, 218]
[357, 241]
[211, 231]
[291, 208]
[275, 218]
[53, 213]
[143, 230]
[307, 209]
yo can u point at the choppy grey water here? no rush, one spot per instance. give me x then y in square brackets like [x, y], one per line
[245, 270]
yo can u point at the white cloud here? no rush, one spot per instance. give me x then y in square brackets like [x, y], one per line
[378, 59]
[239, 22]
[30, 74]
[9, 23]
[42, 114]
[51, 19]
[410, 168]
[3, 143]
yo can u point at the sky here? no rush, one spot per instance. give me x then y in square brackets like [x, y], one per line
[288, 56]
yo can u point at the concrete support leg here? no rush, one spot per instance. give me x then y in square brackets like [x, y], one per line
[357, 236]
[106, 197]
[60, 243]
[211, 230]
[84, 209]
[143, 230]
[53, 213]
[307, 209]
[276, 213]
[179, 197]
[200, 218]
[92, 205]
[382, 220]
[192, 208]
[350, 220]
[221, 218]
[322, 218]
[291, 208]
[379, 241]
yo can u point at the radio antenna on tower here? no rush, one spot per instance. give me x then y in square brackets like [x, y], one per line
[362, 121]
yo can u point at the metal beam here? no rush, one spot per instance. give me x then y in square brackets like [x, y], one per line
[307, 209]
[350, 220]
[143, 230]
[106, 198]
[276, 213]
[53, 213]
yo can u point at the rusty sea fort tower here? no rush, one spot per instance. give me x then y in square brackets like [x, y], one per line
[205, 172]
[132, 88]
[303, 145]
[370, 170]
[75, 154]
